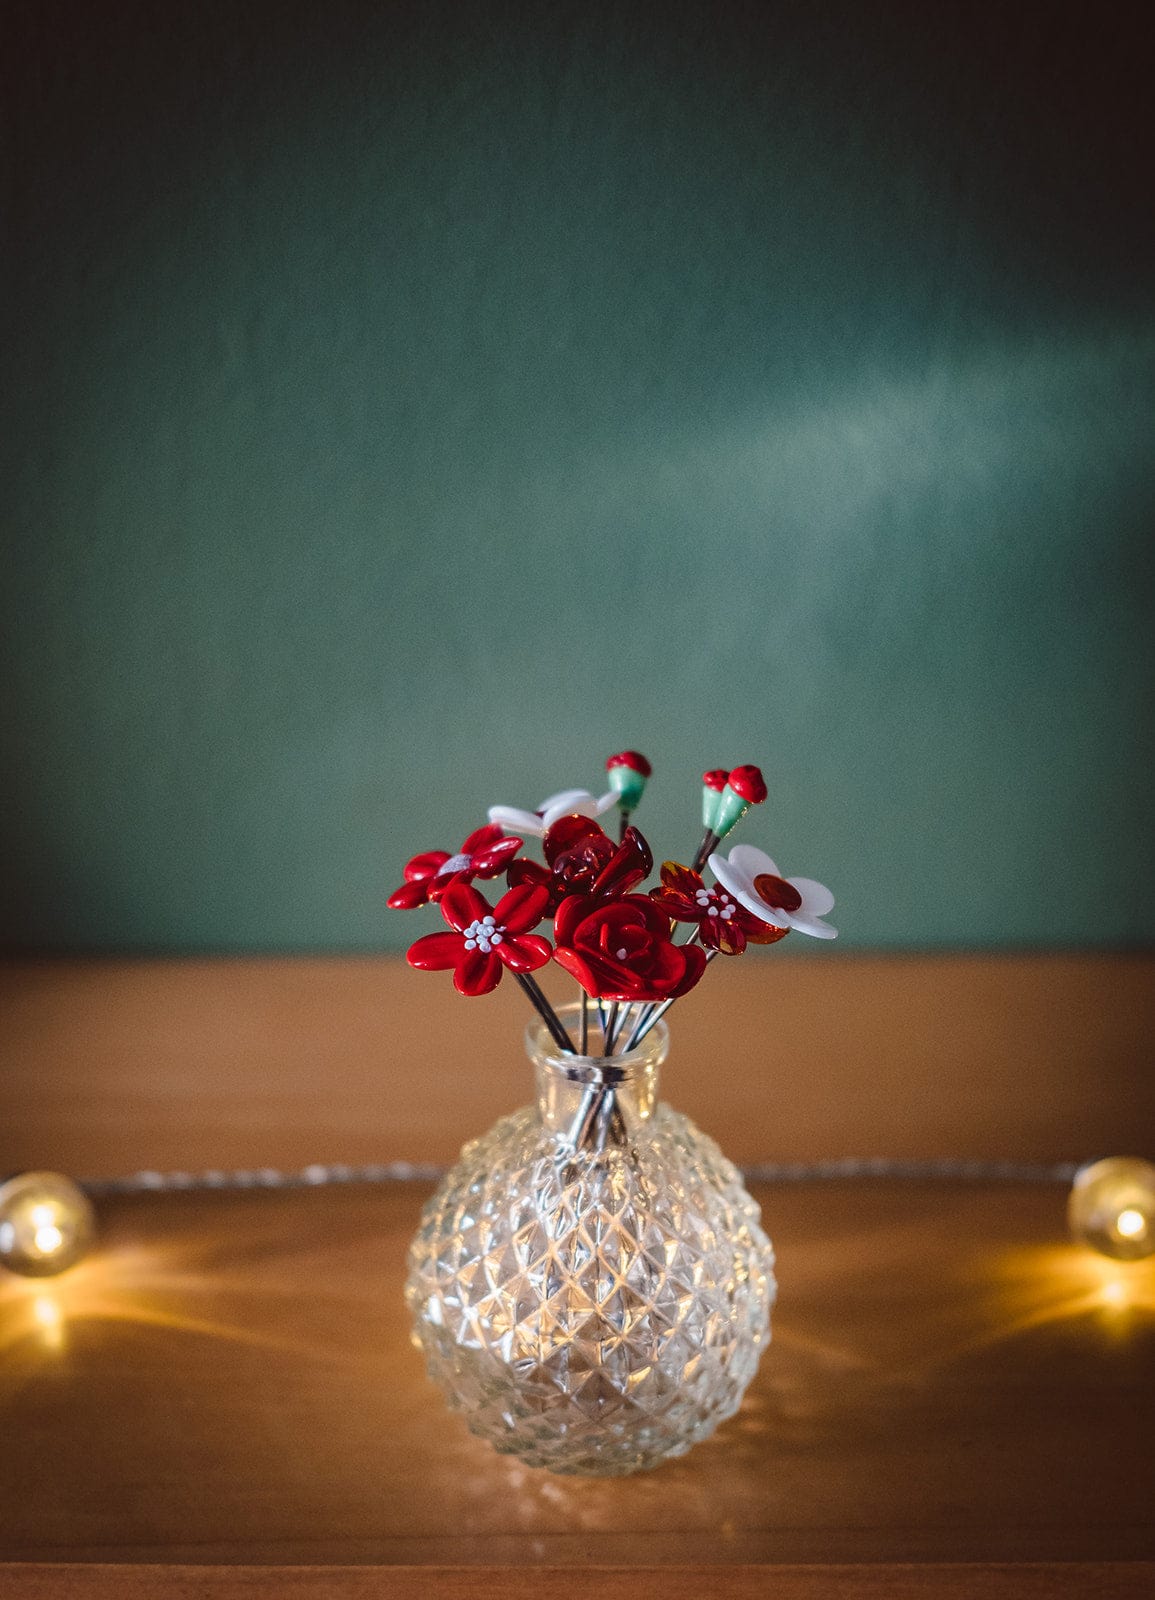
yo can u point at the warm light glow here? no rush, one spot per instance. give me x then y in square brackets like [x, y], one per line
[46, 1311]
[45, 1224]
[1131, 1224]
[1112, 1207]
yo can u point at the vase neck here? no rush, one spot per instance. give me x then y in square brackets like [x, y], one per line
[590, 1102]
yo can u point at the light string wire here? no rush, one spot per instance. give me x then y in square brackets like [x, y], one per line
[835, 1170]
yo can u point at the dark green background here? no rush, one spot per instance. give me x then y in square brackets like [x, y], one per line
[407, 406]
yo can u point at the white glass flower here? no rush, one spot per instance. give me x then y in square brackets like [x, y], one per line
[753, 879]
[569, 803]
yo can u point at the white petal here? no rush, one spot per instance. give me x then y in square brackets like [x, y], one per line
[752, 862]
[567, 799]
[817, 899]
[729, 877]
[607, 802]
[517, 821]
[814, 926]
[744, 892]
[585, 807]
[771, 914]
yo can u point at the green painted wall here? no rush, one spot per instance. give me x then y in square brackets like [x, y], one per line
[407, 406]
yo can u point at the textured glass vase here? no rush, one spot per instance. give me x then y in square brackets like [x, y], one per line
[590, 1284]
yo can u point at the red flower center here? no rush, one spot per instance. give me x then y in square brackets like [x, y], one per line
[777, 892]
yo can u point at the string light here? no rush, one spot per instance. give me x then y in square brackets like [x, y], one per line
[1112, 1207]
[46, 1224]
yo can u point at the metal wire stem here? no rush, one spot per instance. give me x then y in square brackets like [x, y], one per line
[836, 1170]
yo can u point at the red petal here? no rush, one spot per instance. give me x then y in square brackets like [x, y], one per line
[525, 952]
[418, 868]
[757, 931]
[695, 959]
[681, 879]
[437, 952]
[725, 934]
[578, 968]
[566, 832]
[461, 904]
[522, 907]
[572, 911]
[667, 968]
[489, 862]
[678, 905]
[438, 885]
[481, 838]
[630, 863]
[650, 912]
[477, 973]
[409, 896]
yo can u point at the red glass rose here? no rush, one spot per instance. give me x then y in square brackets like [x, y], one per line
[484, 938]
[620, 949]
[724, 924]
[583, 860]
[486, 853]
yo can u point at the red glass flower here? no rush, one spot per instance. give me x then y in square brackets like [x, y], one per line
[724, 924]
[620, 949]
[583, 860]
[484, 938]
[486, 853]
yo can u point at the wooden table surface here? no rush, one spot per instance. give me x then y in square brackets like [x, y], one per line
[223, 1399]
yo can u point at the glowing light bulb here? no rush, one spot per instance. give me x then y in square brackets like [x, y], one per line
[1112, 1207]
[46, 1224]
[1131, 1224]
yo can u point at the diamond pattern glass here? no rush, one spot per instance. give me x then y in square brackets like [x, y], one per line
[592, 1306]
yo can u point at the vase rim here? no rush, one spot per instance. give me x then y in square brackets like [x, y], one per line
[543, 1052]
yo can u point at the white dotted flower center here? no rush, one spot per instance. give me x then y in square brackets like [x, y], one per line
[483, 935]
[723, 907]
[455, 864]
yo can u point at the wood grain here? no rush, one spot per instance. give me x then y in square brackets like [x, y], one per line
[956, 1400]
[116, 1065]
[931, 1581]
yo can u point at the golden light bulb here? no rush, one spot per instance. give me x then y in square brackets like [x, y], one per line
[1112, 1207]
[46, 1224]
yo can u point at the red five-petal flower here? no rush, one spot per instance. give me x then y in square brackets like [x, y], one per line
[486, 853]
[724, 924]
[484, 937]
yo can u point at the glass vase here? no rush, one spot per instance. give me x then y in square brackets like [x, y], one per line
[590, 1284]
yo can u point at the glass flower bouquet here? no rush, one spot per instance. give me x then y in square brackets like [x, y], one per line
[591, 1284]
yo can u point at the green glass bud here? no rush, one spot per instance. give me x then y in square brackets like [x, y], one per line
[628, 785]
[731, 807]
[713, 783]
